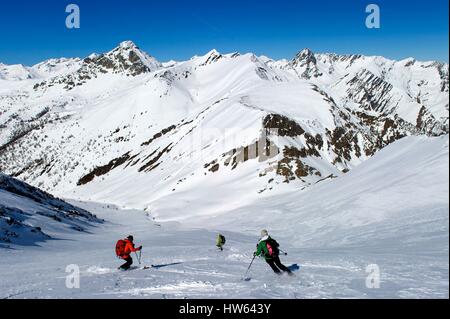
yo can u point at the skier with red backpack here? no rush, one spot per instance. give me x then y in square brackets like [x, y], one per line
[124, 248]
[268, 248]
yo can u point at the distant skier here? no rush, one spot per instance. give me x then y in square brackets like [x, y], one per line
[220, 241]
[268, 248]
[124, 248]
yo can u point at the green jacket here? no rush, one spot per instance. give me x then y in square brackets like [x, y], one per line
[261, 249]
[220, 241]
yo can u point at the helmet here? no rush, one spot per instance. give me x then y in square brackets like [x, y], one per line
[264, 233]
[130, 238]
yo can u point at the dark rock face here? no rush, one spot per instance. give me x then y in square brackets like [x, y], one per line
[304, 57]
[159, 134]
[213, 57]
[283, 125]
[292, 168]
[103, 170]
[306, 61]
[153, 163]
[427, 124]
[370, 91]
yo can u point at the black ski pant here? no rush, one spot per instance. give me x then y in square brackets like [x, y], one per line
[129, 262]
[276, 265]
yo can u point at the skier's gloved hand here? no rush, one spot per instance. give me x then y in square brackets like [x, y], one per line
[254, 254]
[140, 248]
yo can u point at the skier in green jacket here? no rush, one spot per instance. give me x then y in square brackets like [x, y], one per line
[220, 241]
[268, 248]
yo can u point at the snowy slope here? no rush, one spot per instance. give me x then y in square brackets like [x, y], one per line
[15, 72]
[43, 70]
[391, 211]
[55, 67]
[397, 200]
[29, 215]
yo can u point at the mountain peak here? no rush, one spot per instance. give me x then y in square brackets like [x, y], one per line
[128, 45]
[213, 52]
[304, 57]
[126, 58]
[306, 61]
[305, 54]
[211, 57]
[306, 51]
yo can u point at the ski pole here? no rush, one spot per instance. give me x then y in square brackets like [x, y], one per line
[282, 251]
[138, 257]
[248, 269]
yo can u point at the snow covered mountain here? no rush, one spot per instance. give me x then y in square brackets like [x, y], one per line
[124, 128]
[27, 214]
[46, 69]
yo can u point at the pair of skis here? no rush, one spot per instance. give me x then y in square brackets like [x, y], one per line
[137, 268]
[292, 268]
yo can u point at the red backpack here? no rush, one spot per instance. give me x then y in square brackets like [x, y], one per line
[120, 247]
[272, 247]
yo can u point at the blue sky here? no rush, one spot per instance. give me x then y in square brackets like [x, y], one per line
[32, 31]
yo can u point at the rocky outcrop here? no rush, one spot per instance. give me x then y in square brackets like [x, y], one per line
[305, 64]
[127, 59]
